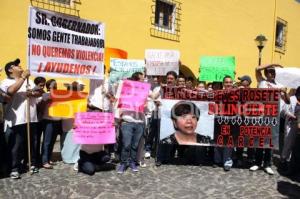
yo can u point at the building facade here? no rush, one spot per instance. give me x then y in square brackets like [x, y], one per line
[195, 28]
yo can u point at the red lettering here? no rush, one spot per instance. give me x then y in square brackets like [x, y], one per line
[230, 141]
[220, 140]
[261, 142]
[240, 141]
[251, 142]
[225, 129]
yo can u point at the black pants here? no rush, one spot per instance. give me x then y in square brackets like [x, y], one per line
[263, 155]
[18, 147]
[88, 163]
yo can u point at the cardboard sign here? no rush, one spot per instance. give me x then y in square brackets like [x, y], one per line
[133, 95]
[64, 46]
[159, 62]
[123, 68]
[214, 68]
[94, 128]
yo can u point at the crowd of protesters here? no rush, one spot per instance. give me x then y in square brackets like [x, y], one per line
[137, 133]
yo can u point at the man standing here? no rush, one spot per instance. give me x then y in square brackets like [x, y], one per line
[265, 155]
[15, 116]
[223, 155]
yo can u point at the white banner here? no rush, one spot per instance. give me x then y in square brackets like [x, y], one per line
[288, 77]
[159, 62]
[64, 46]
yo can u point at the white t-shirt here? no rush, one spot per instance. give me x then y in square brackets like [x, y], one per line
[15, 109]
[266, 84]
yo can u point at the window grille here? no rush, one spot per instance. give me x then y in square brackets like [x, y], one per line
[281, 35]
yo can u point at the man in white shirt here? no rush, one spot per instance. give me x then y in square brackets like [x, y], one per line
[15, 116]
[265, 155]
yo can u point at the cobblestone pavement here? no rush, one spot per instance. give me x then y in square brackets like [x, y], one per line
[166, 181]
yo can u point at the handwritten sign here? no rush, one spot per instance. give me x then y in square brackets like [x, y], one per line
[133, 95]
[94, 128]
[123, 68]
[159, 62]
[213, 68]
[64, 46]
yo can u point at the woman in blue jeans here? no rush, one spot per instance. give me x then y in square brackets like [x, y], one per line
[132, 129]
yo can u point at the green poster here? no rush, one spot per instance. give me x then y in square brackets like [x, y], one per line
[215, 68]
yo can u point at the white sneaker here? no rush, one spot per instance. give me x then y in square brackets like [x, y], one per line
[269, 171]
[254, 168]
[147, 155]
[143, 164]
[75, 167]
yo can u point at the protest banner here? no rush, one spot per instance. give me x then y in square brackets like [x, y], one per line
[159, 62]
[132, 95]
[66, 103]
[113, 53]
[215, 68]
[123, 68]
[64, 46]
[94, 128]
[288, 77]
[232, 118]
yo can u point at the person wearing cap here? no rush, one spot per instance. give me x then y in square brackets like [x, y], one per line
[245, 81]
[265, 155]
[15, 118]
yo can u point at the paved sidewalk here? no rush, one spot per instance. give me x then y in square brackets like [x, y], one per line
[167, 181]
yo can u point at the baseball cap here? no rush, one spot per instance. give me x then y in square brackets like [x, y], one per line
[245, 77]
[10, 64]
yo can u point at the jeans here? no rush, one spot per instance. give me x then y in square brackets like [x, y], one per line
[131, 135]
[18, 146]
[51, 129]
[223, 155]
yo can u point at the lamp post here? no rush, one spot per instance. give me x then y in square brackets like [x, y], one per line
[260, 41]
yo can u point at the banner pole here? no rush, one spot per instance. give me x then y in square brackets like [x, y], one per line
[28, 126]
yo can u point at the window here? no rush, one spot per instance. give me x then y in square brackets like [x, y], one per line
[164, 14]
[68, 7]
[280, 37]
[165, 19]
[66, 2]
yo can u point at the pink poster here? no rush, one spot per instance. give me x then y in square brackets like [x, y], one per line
[94, 128]
[133, 95]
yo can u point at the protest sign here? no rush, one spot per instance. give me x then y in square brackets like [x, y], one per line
[113, 53]
[204, 126]
[234, 118]
[123, 68]
[64, 46]
[132, 95]
[213, 68]
[94, 128]
[66, 103]
[288, 77]
[159, 62]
